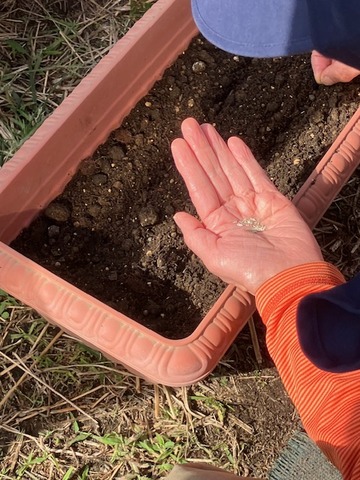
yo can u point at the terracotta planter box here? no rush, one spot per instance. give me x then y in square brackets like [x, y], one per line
[44, 165]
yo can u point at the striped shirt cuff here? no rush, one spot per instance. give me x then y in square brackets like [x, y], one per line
[293, 284]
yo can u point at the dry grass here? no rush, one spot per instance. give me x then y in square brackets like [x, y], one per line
[68, 413]
[338, 232]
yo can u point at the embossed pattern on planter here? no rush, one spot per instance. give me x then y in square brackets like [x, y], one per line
[174, 362]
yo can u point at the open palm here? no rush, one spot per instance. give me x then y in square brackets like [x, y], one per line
[248, 231]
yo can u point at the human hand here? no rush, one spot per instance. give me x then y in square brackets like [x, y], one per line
[328, 72]
[248, 231]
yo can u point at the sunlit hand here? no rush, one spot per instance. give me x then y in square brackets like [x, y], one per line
[247, 231]
[328, 72]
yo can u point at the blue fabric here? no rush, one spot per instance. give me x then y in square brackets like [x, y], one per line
[272, 28]
[335, 29]
[328, 325]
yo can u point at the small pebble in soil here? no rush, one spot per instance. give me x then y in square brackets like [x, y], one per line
[160, 262]
[139, 140]
[117, 185]
[99, 179]
[148, 216]
[58, 212]
[199, 67]
[123, 136]
[116, 153]
[53, 231]
[94, 210]
[169, 210]
[113, 276]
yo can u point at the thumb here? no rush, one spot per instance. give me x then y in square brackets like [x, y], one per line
[329, 72]
[200, 240]
[319, 63]
[338, 72]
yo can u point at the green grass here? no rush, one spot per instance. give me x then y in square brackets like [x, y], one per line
[46, 48]
[7, 304]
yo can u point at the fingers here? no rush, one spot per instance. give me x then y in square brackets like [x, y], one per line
[246, 160]
[215, 172]
[236, 176]
[202, 192]
[206, 155]
[328, 72]
[338, 72]
[319, 63]
[200, 240]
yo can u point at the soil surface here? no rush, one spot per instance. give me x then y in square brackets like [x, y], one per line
[112, 234]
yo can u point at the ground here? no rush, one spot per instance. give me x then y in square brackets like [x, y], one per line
[75, 415]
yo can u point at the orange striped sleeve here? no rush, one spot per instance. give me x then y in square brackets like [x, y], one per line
[328, 403]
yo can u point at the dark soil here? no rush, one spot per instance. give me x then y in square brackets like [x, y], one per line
[111, 232]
